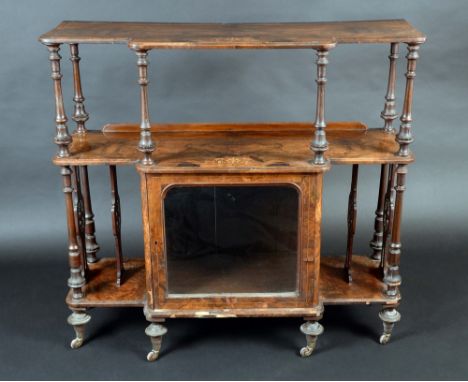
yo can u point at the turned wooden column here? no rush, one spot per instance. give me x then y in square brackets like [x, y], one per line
[352, 220]
[388, 114]
[116, 222]
[76, 280]
[389, 208]
[78, 208]
[80, 116]
[146, 144]
[62, 137]
[392, 273]
[405, 136]
[319, 144]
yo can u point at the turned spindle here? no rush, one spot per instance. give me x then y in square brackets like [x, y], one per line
[76, 280]
[80, 116]
[92, 247]
[62, 137]
[78, 208]
[376, 243]
[389, 113]
[392, 277]
[116, 223]
[319, 144]
[405, 136]
[352, 218]
[389, 207]
[145, 145]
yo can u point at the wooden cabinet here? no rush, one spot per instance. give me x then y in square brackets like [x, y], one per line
[232, 212]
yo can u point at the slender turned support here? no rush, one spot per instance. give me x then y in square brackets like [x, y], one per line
[80, 116]
[311, 329]
[155, 332]
[145, 145]
[62, 137]
[76, 280]
[376, 243]
[389, 208]
[405, 137]
[92, 247]
[116, 223]
[392, 274]
[319, 144]
[352, 216]
[389, 316]
[78, 209]
[389, 113]
[78, 319]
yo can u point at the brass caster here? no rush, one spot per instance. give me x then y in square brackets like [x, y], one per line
[311, 329]
[389, 317]
[155, 332]
[78, 319]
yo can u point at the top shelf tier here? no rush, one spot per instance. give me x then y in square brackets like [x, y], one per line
[145, 35]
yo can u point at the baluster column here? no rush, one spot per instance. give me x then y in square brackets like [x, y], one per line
[388, 114]
[145, 145]
[405, 136]
[319, 144]
[62, 137]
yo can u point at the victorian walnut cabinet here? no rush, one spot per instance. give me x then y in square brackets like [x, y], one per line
[232, 211]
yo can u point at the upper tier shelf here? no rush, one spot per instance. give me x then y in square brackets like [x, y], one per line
[145, 35]
[234, 147]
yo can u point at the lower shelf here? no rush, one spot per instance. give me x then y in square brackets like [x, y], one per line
[102, 291]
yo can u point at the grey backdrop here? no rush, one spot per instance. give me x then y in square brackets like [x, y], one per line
[430, 342]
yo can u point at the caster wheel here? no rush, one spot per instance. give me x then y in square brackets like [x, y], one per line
[76, 343]
[384, 339]
[306, 351]
[152, 356]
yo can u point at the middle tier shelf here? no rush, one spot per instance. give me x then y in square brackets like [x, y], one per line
[367, 286]
[207, 147]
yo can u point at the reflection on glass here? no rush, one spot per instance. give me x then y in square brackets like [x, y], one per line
[228, 239]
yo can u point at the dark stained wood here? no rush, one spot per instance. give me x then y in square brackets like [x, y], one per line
[352, 221]
[102, 291]
[367, 286]
[268, 147]
[145, 35]
[405, 136]
[92, 247]
[78, 208]
[80, 116]
[319, 144]
[62, 137]
[389, 113]
[376, 243]
[116, 223]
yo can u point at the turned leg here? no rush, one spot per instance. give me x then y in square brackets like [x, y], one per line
[78, 319]
[79, 219]
[155, 331]
[92, 247]
[311, 329]
[116, 223]
[389, 317]
[352, 215]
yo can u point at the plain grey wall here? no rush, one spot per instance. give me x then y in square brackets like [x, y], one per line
[238, 86]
